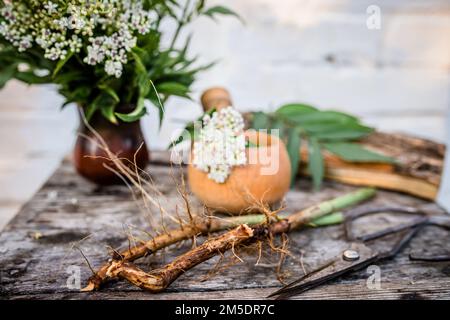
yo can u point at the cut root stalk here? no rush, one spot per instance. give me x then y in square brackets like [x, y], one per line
[249, 229]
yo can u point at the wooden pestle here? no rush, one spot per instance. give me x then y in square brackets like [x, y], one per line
[216, 97]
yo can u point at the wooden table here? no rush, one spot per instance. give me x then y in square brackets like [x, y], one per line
[37, 258]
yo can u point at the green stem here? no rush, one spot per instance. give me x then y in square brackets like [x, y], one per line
[328, 220]
[306, 216]
[181, 23]
[311, 215]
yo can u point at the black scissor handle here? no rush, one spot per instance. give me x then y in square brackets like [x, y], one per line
[437, 221]
[361, 212]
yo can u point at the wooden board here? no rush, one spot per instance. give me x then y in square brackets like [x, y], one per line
[36, 254]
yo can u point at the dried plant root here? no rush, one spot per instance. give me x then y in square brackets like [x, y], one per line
[199, 226]
[160, 279]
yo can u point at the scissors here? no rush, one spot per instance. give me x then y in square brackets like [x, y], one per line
[361, 254]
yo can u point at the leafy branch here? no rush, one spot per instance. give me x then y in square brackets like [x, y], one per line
[330, 131]
[170, 69]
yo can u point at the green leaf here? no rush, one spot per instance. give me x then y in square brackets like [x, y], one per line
[106, 104]
[80, 94]
[134, 115]
[68, 76]
[316, 164]
[354, 152]
[61, 63]
[294, 113]
[108, 112]
[109, 91]
[260, 121]
[293, 148]
[90, 110]
[325, 116]
[143, 79]
[7, 74]
[276, 123]
[173, 88]
[221, 10]
[326, 127]
[295, 109]
[344, 133]
[186, 135]
[30, 78]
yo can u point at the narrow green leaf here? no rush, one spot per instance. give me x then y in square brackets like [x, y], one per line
[344, 134]
[354, 152]
[186, 135]
[30, 78]
[295, 109]
[106, 105]
[326, 116]
[143, 79]
[316, 164]
[110, 91]
[80, 94]
[260, 121]
[173, 88]
[61, 63]
[7, 74]
[134, 115]
[108, 112]
[68, 76]
[341, 115]
[293, 148]
[139, 65]
[327, 127]
[200, 5]
[221, 10]
[90, 110]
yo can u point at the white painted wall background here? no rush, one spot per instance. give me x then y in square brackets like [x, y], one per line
[320, 52]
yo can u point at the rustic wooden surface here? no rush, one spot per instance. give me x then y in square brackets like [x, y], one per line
[36, 247]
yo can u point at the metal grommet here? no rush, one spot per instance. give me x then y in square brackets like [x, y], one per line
[350, 255]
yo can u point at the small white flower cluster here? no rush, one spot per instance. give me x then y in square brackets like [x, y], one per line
[112, 49]
[221, 144]
[106, 28]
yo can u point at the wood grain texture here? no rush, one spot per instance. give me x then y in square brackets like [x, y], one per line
[67, 209]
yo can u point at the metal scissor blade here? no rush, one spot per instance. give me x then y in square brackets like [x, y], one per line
[328, 272]
[429, 258]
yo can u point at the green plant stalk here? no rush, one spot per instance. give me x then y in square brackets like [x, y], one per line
[314, 214]
[322, 209]
[181, 23]
[328, 220]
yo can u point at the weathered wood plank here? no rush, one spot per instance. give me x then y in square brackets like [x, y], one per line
[35, 248]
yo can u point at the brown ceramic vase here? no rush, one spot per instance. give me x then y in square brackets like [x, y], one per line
[123, 139]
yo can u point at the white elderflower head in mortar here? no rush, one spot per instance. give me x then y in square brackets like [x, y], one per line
[221, 144]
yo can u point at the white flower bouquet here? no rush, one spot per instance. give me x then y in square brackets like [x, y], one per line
[101, 53]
